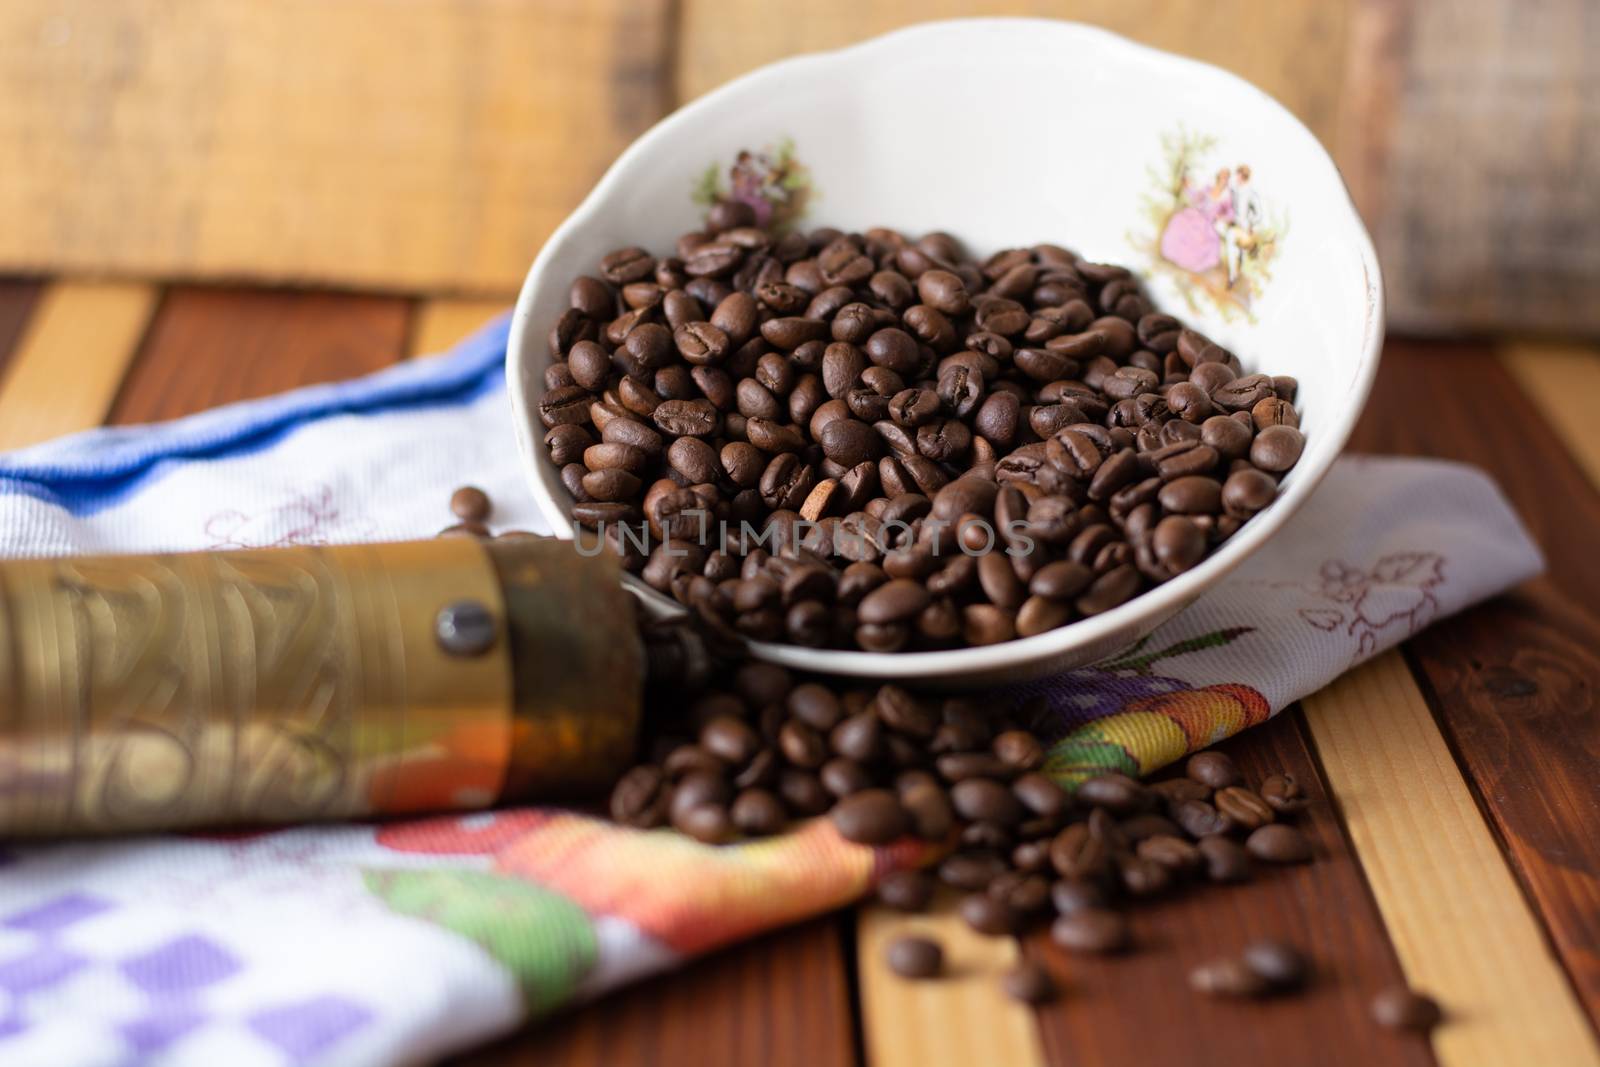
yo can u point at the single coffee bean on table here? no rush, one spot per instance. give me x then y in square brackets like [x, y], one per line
[1029, 982]
[1228, 977]
[1277, 843]
[1399, 1008]
[1003, 457]
[915, 957]
[1279, 963]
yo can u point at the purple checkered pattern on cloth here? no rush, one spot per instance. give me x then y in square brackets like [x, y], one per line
[168, 986]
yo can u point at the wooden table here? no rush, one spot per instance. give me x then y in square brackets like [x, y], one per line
[1458, 776]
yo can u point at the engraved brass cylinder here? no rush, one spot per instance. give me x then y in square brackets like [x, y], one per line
[295, 684]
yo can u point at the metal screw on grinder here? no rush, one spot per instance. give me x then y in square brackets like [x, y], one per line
[464, 628]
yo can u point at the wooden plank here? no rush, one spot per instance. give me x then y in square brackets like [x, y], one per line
[1515, 684]
[1563, 381]
[1294, 50]
[1137, 1008]
[17, 298]
[427, 145]
[66, 366]
[441, 323]
[777, 1001]
[962, 1018]
[1374, 77]
[1459, 922]
[213, 346]
[1471, 141]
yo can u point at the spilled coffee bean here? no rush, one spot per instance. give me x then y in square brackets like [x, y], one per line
[738, 748]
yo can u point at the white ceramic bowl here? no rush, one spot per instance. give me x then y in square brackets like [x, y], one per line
[1009, 132]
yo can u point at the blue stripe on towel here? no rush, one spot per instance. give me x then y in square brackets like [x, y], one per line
[89, 471]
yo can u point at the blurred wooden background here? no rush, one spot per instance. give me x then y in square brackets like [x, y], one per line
[428, 146]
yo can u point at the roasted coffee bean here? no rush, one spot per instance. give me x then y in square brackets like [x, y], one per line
[1142, 876]
[1274, 412]
[893, 601]
[858, 737]
[640, 797]
[1091, 930]
[1277, 448]
[730, 740]
[1027, 895]
[1227, 977]
[902, 711]
[803, 792]
[906, 890]
[988, 914]
[1279, 963]
[1061, 580]
[1029, 982]
[1247, 492]
[1079, 856]
[1031, 856]
[914, 957]
[565, 406]
[815, 705]
[1112, 588]
[1277, 843]
[686, 418]
[801, 745]
[1243, 806]
[627, 265]
[1212, 769]
[1175, 854]
[988, 624]
[610, 485]
[1192, 495]
[871, 817]
[1200, 819]
[1283, 794]
[1117, 793]
[758, 812]
[470, 504]
[1226, 860]
[971, 871]
[567, 443]
[1242, 394]
[984, 799]
[1041, 795]
[944, 291]
[1174, 791]
[1019, 750]
[709, 824]
[932, 817]
[693, 458]
[959, 766]
[1069, 896]
[1399, 1008]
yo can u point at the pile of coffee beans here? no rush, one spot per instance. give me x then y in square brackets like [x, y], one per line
[867, 441]
[743, 749]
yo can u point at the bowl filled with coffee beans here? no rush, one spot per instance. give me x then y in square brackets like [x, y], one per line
[973, 352]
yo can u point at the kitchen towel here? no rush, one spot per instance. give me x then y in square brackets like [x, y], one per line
[395, 943]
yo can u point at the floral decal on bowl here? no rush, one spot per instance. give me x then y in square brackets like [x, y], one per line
[1213, 231]
[775, 184]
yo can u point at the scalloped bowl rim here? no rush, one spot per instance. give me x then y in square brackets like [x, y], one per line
[1023, 656]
